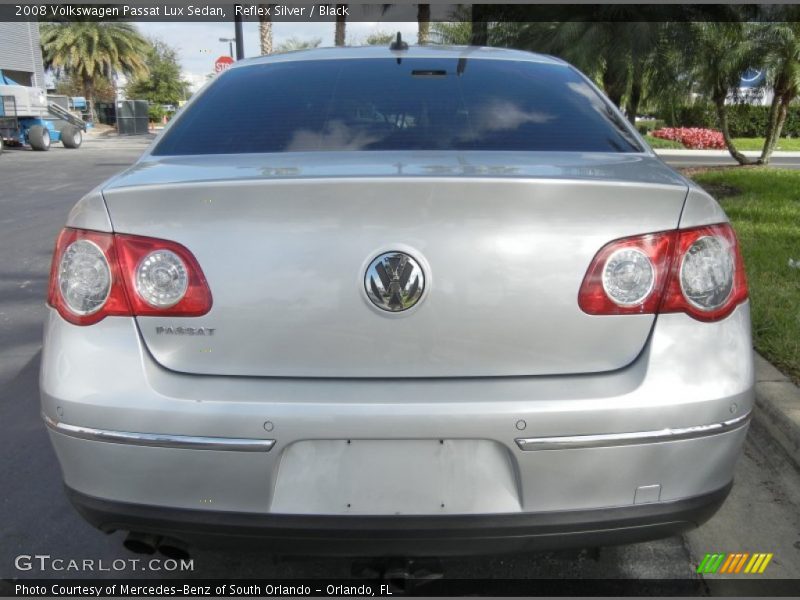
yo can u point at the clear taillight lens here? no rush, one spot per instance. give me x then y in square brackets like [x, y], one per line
[628, 276]
[95, 275]
[708, 279]
[698, 271]
[706, 272]
[84, 277]
[161, 279]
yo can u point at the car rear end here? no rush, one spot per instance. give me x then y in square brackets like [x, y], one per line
[573, 367]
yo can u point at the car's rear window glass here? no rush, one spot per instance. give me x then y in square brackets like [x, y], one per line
[385, 104]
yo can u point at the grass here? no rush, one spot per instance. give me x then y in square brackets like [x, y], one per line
[784, 144]
[764, 206]
[657, 143]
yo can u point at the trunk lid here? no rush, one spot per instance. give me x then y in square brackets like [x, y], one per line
[284, 242]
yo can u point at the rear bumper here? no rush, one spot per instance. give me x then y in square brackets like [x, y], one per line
[439, 535]
[258, 449]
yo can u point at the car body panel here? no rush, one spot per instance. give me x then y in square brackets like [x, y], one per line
[90, 213]
[103, 377]
[586, 166]
[503, 260]
[701, 209]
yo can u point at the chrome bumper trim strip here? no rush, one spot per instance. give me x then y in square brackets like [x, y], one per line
[160, 440]
[625, 439]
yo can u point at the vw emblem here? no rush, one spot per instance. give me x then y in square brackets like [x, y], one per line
[394, 281]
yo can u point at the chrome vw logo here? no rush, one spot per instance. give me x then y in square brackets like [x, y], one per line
[394, 281]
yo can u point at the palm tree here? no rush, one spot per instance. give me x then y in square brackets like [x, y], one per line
[294, 43]
[642, 44]
[457, 31]
[89, 51]
[718, 54]
[341, 25]
[781, 54]
[423, 23]
[265, 31]
[380, 38]
[480, 26]
[452, 33]
[670, 83]
[619, 55]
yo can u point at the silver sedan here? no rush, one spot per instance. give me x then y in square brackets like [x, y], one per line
[397, 301]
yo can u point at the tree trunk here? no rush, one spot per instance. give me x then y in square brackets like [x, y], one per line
[265, 33]
[341, 25]
[88, 92]
[611, 88]
[635, 96]
[480, 28]
[722, 119]
[423, 23]
[777, 118]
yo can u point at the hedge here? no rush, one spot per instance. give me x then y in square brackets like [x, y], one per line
[645, 126]
[744, 120]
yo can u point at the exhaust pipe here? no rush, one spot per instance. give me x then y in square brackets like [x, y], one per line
[175, 549]
[142, 543]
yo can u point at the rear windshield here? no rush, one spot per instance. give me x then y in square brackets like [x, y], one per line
[386, 104]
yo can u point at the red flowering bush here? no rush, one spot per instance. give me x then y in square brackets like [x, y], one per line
[695, 138]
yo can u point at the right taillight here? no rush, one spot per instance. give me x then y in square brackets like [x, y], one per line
[707, 278]
[96, 274]
[698, 271]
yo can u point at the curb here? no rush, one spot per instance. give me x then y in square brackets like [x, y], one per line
[778, 404]
[721, 153]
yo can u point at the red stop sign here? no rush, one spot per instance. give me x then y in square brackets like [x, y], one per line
[222, 63]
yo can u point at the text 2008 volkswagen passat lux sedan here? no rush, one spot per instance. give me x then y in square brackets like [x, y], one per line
[418, 301]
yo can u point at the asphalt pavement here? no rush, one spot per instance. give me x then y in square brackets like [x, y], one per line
[37, 191]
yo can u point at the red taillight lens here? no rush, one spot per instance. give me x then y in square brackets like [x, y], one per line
[698, 271]
[707, 279]
[84, 264]
[146, 262]
[95, 275]
[628, 276]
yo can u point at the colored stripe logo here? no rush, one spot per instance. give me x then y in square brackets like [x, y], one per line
[733, 563]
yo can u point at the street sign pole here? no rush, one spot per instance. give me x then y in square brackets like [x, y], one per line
[237, 20]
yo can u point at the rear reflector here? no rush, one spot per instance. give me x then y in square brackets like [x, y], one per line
[698, 271]
[95, 275]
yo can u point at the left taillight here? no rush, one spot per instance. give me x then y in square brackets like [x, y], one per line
[95, 275]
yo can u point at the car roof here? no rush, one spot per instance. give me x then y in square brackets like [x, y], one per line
[454, 52]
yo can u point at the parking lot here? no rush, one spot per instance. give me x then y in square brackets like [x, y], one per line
[37, 191]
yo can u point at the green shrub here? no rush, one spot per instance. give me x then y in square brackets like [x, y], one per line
[695, 115]
[156, 113]
[744, 120]
[645, 126]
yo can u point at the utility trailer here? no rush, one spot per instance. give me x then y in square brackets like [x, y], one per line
[26, 117]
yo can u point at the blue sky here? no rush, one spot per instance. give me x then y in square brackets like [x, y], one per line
[198, 44]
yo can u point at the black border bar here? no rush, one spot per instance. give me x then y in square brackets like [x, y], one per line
[226, 11]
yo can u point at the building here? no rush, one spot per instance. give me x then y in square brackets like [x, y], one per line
[21, 53]
[753, 88]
